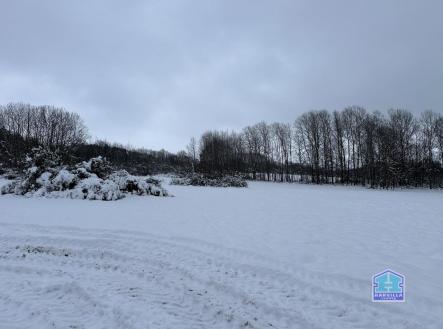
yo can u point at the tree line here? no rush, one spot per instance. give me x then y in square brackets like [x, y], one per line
[47, 125]
[352, 146]
[24, 127]
[135, 161]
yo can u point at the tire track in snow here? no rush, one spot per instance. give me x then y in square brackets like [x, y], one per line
[192, 287]
[178, 282]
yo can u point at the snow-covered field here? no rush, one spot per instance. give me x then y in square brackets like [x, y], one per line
[269, 256]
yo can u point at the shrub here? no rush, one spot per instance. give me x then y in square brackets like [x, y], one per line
[217, 181]
[92, 180]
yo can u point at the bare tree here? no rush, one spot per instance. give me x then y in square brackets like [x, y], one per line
[192, 152]
[50, 126]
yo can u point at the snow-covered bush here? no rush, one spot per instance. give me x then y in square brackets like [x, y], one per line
[95, 188]
[8, 187]
[202, 180]
[92, 180]
[98, 166]
[64, 180]
[41, 157]
[137, 185]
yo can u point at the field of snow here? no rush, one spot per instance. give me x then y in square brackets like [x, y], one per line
[269, 256]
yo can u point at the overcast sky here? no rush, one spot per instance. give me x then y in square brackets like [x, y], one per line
[155, 73]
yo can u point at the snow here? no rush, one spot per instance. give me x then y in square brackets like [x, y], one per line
[44, 179]
[268, 256]
[63, 179]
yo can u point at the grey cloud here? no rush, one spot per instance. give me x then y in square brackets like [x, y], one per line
[155, 73]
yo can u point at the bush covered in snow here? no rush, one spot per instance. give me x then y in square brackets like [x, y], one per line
[92, 180]
[137, 185]
[217, 181]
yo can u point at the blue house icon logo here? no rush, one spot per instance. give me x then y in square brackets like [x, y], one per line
[388, 286]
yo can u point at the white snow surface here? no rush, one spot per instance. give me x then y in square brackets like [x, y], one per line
[268, 256]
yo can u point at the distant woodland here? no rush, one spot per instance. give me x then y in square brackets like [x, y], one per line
[24, 127]
[352, 146]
